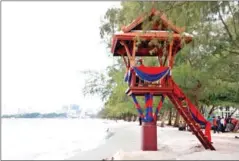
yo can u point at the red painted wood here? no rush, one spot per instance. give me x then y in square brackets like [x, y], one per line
[133, 79]
[149, 130]
[140, 91]
[191, 122]
[163, 36]
[149, 136]
[139, 20]
[141, 51]
[187, 119]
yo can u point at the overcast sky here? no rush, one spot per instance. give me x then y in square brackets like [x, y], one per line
[44, 46]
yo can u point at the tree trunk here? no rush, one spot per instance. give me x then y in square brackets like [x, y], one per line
[233, 112]
[222, 111]
[136, 118]
[128, 117]
[160, 118]
[132, 118]
[164, 115]
[202, 110]
[227, 111]
[176, 122]
[170, 116]
[211, 111]
[125, 117]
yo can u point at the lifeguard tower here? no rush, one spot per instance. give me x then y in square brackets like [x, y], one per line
[148, 81]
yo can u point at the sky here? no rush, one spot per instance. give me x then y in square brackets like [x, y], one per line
[45, 45]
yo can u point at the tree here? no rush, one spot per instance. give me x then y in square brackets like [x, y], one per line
[201, 68]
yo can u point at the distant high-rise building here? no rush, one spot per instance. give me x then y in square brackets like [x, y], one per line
[74, 107]
[73, 110]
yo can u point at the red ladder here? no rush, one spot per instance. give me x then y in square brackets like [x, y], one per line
[196, 129]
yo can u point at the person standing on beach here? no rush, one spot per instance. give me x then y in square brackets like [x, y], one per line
[222, 121]
[138, 80]
[219, 124]
[140, 121]
[214, 122]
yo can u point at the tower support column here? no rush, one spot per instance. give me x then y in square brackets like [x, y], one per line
[149, 136]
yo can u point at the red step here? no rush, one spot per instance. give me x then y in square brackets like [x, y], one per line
[196, 129]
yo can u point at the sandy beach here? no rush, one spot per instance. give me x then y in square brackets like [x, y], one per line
[124, 143]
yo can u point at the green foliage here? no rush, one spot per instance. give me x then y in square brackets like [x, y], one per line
[37, 115]
[207, 69]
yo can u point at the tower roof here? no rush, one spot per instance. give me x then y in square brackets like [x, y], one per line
[161, 31]
[166, 24]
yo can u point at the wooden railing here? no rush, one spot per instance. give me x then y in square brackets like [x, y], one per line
[137, 82]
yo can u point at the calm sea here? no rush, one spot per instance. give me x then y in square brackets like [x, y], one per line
[36, 139]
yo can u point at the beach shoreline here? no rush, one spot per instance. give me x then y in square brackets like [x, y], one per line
[125, 144]
[112, 144]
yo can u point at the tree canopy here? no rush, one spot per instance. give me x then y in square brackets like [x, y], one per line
[207, 69]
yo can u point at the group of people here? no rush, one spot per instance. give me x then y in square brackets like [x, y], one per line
[221, 124]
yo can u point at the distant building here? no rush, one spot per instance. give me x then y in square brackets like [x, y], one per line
[75, 107]
[72, 110]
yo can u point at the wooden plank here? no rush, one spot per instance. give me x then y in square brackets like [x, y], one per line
[141, 91]
[134, 49]
[130, 57]
[133, 79]
[170, 57]
[114, 43]
[142, 51]
[163, 35]
[136, 22]
[143, 94]
[126, 48]
[125, 62]
[147, 36]
[139, 20]
[186, 118]
[160, 60]
[117, 49]
[168, 23]
[151, 88]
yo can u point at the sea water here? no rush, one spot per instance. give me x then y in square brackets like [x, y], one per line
[36, 139]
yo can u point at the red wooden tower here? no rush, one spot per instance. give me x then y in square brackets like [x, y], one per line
[150, 81]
